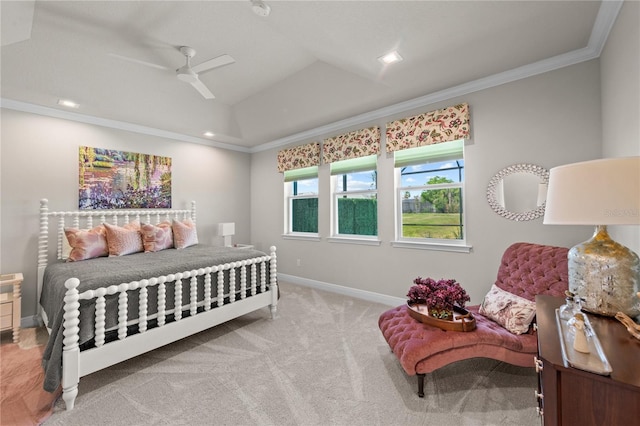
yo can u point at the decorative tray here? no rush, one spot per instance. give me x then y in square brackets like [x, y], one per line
[462, 319]
[595, 361]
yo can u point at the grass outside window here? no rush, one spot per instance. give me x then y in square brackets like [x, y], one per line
[432, 225]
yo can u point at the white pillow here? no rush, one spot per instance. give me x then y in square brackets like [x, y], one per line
[513, 312]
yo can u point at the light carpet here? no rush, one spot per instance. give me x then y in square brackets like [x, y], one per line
[322, 361]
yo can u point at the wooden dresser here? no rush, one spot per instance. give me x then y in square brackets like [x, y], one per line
[568, 396]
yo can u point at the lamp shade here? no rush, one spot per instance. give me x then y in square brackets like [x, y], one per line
[225, 229]
[598, 192]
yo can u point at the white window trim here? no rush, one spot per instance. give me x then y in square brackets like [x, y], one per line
[432, 245]
[363, 240]
[302, 236]
[428, 243]
[288, 224]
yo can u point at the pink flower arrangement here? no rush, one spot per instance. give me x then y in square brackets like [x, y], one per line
[438, 295]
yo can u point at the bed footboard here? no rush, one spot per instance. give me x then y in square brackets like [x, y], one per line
[221, 302]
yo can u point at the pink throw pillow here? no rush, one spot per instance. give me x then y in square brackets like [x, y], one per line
[513, 312]
[86, 243]
[125, 239]
[184, 233]
[156, 237]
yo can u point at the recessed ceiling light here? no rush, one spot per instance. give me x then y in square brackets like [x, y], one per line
[260, 8]
[67, 103]
[390, 58]
[209, 134]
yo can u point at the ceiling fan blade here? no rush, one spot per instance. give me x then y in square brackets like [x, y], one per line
[213, 63]
[204, 91]
[138, 61]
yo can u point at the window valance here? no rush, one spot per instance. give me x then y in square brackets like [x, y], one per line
[355, 144]
[443, 125]
[299, 157]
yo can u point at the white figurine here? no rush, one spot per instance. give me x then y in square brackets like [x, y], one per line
[580, 343]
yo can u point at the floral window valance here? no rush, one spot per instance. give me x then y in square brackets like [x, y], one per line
[355, 144]
[299, 156]
[443, 125]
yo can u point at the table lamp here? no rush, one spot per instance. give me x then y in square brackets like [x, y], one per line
[227, 230]
[602, 273]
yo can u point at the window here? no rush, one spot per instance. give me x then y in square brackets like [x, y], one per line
[430, 193]
[355, 203]
[301, 193]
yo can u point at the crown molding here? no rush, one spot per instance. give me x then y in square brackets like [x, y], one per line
[605, 19]
[113, 124]
[607, 15]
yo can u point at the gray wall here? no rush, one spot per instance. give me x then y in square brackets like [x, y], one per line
[40, 160]
[620, 85]
[549, 120]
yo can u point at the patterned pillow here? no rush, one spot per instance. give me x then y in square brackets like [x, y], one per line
[184, 233]
[156, 237]
[513, 312]
[124, 239]
[86, 243]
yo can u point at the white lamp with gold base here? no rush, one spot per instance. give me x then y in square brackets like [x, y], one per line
[602, 273]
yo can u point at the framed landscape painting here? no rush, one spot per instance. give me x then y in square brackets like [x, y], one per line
[111, 179]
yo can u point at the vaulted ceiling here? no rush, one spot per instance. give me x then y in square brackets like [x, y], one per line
[307, 64]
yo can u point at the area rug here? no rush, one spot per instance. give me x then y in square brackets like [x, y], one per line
[23, 401]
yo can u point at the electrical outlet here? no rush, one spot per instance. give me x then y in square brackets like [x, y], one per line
[298, 262]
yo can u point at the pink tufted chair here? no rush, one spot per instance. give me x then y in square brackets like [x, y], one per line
[525, 270]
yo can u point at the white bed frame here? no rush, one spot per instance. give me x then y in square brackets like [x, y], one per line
[76, 364]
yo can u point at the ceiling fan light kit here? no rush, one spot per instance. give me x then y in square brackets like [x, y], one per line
[187, 75]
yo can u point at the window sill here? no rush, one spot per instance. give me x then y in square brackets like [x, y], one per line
[355, 240]
[459, 248]
[301, 237]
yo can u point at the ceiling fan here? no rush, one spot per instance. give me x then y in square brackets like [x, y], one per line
[189, 74]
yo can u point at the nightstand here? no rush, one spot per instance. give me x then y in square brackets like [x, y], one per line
[10, 302]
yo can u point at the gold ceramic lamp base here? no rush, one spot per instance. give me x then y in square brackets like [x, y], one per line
[605, 275]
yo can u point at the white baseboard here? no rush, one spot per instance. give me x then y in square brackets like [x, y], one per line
[347, 291]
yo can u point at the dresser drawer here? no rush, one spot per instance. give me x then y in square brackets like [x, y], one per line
[6, 322]
[6, 309]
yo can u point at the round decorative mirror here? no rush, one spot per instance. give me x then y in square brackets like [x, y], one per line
[519, 192]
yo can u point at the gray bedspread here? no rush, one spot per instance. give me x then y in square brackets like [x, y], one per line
[106, 271]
